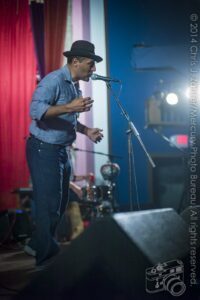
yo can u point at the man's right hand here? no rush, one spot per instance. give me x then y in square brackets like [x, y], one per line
[80, 104]
[76, 105]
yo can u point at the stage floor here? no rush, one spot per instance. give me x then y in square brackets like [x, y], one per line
[16, 269]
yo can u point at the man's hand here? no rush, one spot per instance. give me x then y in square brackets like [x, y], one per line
[94, 134]
[76, 105]
[80, 104]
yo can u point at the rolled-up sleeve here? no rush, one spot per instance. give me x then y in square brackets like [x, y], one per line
[42, 99]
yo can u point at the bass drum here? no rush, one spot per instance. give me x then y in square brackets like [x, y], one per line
[96, 193]
[103, 192]
[89, 193]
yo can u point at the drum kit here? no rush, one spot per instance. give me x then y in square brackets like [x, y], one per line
[98, 200]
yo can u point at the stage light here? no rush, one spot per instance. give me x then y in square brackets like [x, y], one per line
[179, 140]
[172, 99]
[193, 92]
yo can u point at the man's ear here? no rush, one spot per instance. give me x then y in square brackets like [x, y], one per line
[75, 61]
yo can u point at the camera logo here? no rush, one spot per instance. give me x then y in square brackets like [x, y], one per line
[168, 276]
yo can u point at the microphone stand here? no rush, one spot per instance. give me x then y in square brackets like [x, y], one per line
[100, 153]
[131, 130]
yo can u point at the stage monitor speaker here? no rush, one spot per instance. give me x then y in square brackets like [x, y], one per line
[192, 214]
[127, 256]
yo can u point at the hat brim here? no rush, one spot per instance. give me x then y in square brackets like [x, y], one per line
[83, 54]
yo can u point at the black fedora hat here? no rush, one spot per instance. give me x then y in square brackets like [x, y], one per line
[84, 49]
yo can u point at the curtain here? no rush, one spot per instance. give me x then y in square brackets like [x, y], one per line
[55, 28]
[37, 24]
[17, 73]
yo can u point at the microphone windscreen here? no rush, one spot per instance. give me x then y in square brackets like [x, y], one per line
[94, 77]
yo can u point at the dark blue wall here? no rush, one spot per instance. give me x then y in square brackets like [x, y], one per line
[155, 23]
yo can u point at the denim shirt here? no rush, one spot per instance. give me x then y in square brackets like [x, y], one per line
[54, 89]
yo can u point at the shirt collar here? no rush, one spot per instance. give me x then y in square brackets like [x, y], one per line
[67, 74]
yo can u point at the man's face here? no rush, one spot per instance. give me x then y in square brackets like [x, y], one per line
[84, 68]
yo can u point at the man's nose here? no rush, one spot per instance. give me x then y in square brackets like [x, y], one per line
[94, 68]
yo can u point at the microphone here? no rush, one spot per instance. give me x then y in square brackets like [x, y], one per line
[103, 78]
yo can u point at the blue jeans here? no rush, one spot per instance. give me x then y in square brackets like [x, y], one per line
[50, 172]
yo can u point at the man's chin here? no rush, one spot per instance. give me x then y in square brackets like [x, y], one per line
[86, 79]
